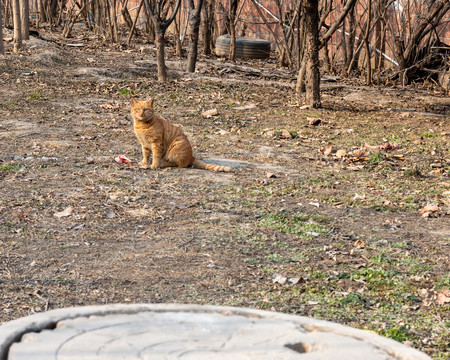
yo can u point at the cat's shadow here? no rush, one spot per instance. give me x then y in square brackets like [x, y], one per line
[226, 162]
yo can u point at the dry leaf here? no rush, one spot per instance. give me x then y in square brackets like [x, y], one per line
[209, 113]
[268, 132]
[313, 121]
[66, 212]
[286, 134]
[443, 297]
[327, 149]
[398, 157]
[429, 210]
[108, 105]
[340, 154]
[359, 244]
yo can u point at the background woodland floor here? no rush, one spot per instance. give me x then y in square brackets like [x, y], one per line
[312, 221]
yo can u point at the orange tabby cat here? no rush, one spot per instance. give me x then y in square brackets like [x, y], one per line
[167, 143]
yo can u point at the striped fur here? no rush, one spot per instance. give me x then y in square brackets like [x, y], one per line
[166, 142]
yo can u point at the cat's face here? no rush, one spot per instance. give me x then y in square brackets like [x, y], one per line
[141, 110]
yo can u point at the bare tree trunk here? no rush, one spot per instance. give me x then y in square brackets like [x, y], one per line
[150, 29]
[178, 43]
[351, 37]
[126, 14]
[312, 74]
[349, 5]
[231, 19]
[300, 42]
[2, 46]
[286, 54]
[160, 54]
[344, 43]
[366, 44]
[377, 55]
[327, 58]
[114, 31]
[72, 17]
[382, 47]
[423, 25]
[41, 11]
[194, 24]
[132, 30]
[17, 26]
[268, 26]
[208, 15]
[25, 19]
[160, 25]
[300, 86]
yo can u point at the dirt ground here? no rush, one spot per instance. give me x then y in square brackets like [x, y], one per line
[316, 219]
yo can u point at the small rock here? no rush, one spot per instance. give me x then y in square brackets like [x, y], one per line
[89, 160]
[46, 158]
[66, 212]
[270, 175]
[246, 107]
[305, 107]
[279, 279]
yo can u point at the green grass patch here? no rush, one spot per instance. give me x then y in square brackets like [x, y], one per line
[35, 95]
[429, 135]
[303, 225]
[7, 168]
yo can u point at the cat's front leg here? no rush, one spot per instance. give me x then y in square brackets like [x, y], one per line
[145, 156]
[157, 156]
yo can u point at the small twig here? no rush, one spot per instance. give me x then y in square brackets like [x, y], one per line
[46, 301]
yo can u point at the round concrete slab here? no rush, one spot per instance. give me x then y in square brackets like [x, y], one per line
[173, 331]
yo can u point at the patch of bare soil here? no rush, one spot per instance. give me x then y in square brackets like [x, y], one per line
[312, 221]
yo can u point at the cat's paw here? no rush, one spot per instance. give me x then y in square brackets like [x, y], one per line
[154, 167]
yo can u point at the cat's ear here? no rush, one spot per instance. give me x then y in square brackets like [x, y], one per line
[150, 102]
[133, 101]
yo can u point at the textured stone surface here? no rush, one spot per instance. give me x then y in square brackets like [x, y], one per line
[190, 332]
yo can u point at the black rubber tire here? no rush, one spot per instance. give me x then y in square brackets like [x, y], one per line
[245, 47]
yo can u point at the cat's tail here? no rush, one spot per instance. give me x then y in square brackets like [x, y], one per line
[211, 167]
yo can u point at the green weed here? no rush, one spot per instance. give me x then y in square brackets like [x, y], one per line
[376, 158]
[12, 167]
[35, 95]
[396, 333]
[416, 171]
[296, 223]
[429, 135]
